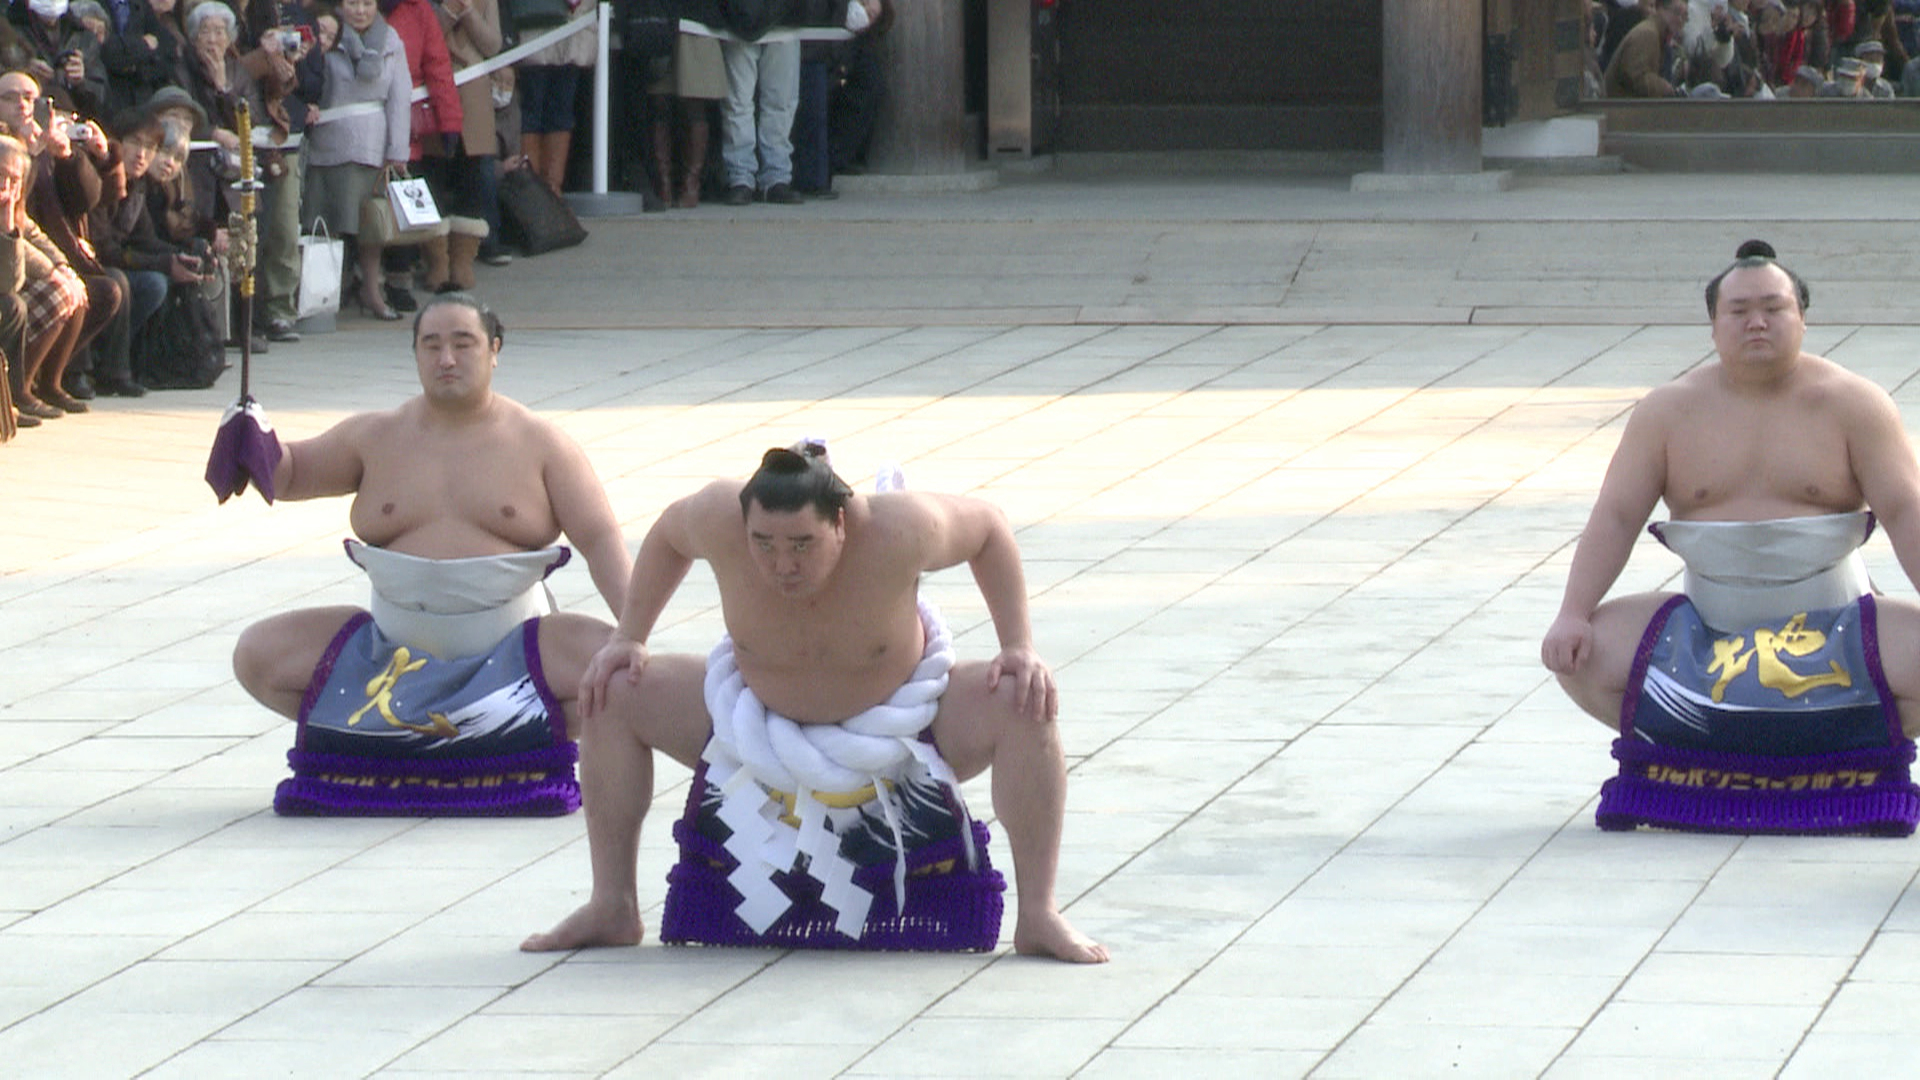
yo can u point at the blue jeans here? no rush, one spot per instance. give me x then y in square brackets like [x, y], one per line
[766, 75]
[146, 288]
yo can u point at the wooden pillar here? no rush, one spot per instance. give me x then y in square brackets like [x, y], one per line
[922, 127]
[1431, 86]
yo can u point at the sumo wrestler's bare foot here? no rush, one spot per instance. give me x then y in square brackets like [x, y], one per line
[1049, 934]
[594, 925]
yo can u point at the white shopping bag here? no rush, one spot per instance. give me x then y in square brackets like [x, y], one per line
[321, 260]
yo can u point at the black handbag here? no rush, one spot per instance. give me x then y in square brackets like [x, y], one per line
[536, 15]
[647, 28]
[532, 217]
[179, 346]
[750, 19]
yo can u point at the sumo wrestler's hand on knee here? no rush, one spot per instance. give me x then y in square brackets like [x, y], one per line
[1034, 694]
[1568, 643]
[621, 654]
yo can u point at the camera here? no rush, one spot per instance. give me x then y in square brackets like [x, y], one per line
[289, 40]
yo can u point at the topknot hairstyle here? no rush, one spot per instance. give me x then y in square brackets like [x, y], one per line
[792, 477]
[1751, 254]
[496, 332]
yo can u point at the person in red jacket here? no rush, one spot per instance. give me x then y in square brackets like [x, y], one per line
[436, 119]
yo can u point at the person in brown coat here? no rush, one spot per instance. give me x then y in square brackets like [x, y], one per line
[463, 175]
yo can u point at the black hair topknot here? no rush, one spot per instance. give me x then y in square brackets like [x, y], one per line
[1757, 253]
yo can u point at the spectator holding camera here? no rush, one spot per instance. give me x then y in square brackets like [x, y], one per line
[64, 55]
[56, 297]
[1719, 47]
[127, 239]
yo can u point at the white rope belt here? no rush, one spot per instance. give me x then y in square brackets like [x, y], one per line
[578, 23]
[755, 752]
[475, 71]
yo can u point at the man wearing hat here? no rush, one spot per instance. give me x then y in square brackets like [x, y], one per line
[1872, 54]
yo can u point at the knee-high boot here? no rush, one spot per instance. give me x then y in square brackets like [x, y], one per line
[463, 244]
[663, 159]
[434, 250]
[694, 162]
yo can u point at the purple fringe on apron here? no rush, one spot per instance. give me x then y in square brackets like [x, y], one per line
[950, 907]
[1867, 791]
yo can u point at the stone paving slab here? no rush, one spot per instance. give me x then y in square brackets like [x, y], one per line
[1325, 807]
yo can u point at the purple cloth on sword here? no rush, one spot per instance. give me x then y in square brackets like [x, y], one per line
[244, 448]
[1797, 734]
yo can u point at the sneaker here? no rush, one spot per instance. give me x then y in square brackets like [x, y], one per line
[783, 195]
[282, 330]
[738, 195]
[400, 299]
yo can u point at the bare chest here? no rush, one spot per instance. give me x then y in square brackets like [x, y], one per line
[1760, 463]
[822, 661]
[453, 501]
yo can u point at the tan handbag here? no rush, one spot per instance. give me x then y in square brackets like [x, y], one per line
[380, 226]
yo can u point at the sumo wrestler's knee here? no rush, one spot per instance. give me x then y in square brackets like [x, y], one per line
[252, 659]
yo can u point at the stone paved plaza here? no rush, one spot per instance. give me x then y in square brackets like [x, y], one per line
[1291, 550]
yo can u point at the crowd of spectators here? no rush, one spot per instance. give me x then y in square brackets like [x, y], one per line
[121, 129]
[1761, 49]
[120, 147]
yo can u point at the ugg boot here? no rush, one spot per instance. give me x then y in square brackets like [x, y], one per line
[434, 249]
[695, 163]
[663, 162]
[463, 244]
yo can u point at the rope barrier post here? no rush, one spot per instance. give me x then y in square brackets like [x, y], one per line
[601, 97]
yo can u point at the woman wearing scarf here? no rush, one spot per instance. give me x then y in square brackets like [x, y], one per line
[346, 156]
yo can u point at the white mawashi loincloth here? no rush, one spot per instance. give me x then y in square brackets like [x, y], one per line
[1742, 573]
[757, 756]
[456, 607]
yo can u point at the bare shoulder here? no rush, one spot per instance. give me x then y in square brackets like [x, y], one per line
[529, 428]
[366, 432]
[1664, 406]
[1842, 388]
[933, 529]
[709, 517]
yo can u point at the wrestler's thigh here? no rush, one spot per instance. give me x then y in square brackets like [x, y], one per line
[1618, 626]
[281, 651]
[667, 708]
[972, 719]
[567, 642]
[1899, 633]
